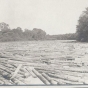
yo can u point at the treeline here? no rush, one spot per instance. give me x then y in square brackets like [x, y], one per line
[17, 34]
[70, 36]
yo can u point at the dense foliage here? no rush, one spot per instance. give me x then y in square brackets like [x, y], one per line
[17, 34]
[82, 27]
[70, 36]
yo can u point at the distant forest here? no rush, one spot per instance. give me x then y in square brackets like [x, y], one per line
[17, 34]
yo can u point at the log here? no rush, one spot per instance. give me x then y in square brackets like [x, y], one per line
[49, 79]
[6, 70]
[15, 81]
[62, 69]
[67, 77]
[50, 70]
[4, 81]
[20, 79]
[16, 71]
[41, 77]
[47, 71]
[30, 72]
[61, 81]
[7, 67]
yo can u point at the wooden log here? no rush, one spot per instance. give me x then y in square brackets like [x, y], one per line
[67, 77]
[23, 60]
[61, 81]
[26, 63]
[19, 76]
[15, 81]
[30, 72]
[55, 68]
[26, 75]
[6, 67]
[43, 70]
[6, 70]
[47, 71]
[20, 79]
[70, 73]
[21, 73]
[75, 74]
[4, 81]
[41, 77]
[16, 71]
[49, 79]
[9, 65]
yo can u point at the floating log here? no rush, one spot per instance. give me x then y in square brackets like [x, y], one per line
[6, 70]
[61, 81]
[46, 69]
[4, 81]
[62, 69]
[15, 81]
[9, 68]
[30, 72]
[67, 77]
[41, 77]
[49, 79]
[16, 71]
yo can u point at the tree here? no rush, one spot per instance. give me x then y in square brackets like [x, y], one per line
[38, 34]
[28, 34]
[17, 34]
[4, 32]
[4, 27]
[82, 27]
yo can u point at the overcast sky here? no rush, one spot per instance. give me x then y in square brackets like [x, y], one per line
[53, 16]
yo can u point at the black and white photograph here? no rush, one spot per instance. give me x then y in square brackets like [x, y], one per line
[44, 43]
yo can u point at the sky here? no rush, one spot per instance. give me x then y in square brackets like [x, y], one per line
[52, 16]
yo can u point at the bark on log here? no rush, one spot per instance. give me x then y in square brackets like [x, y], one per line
[41, 77]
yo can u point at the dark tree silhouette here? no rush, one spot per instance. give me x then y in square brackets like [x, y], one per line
[82, 27]
[17, 34]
